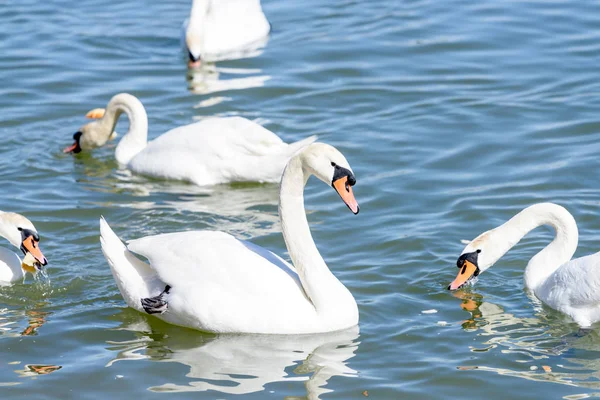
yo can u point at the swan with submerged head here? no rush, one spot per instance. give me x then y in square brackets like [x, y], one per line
[21, 233]
[211, 281]
[566, 285]
[212, 151]
[223, 29]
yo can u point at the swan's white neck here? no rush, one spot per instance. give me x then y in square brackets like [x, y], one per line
[199, 10]
[8, 230]
[558, 252]
[329, 296]
[136, 138]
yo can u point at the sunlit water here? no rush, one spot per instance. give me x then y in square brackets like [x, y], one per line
[454, 115]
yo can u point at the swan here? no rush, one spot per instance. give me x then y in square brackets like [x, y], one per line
[209, 152]
[217, 28]
[569, 286]
[211, 281]
[21, 233]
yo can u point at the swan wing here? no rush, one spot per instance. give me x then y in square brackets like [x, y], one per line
[198, 261]
[217, 150]
[574, 288]
[221, 284]
[222, 137]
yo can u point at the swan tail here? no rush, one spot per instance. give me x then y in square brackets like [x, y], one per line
[295, 147]
[135, 278]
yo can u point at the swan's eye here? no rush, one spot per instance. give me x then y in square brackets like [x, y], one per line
[478, 251]
[333, 164]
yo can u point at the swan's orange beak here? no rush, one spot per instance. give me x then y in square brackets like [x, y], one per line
[96, 113]
[32, 246]
[70, 148]
[194, 64]
[342, 186]
[465, 273]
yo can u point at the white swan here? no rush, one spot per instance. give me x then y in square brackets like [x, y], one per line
[219, 29]
[569, 286]
[21, 233]
[211, 281]
[212, 151]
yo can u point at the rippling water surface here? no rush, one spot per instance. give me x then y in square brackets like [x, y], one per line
[454, 115]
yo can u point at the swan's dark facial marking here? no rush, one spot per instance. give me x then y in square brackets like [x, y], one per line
[192, 58]
[342, 182]
[30, 244]
[468, 270]
[341, 172]
[471, 257]
[156, 304]
[75, 147]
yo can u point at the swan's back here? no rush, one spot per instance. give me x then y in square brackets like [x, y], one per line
[211, 151]
[220, 284]
[574, 288]
[234, 268]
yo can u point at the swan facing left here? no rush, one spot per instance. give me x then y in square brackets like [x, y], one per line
[566, 285]
[213, 151]
[21, 233]
[224, 29]
[211, 281]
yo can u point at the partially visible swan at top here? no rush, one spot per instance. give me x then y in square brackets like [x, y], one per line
[211, 281]
[217, 28]
[569, 286]
[21, 233]
[212, 151]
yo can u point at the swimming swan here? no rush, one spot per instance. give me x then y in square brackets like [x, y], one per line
[218, 28]
[21, 233]
[213, 282]
[569, 286]
[209, 152]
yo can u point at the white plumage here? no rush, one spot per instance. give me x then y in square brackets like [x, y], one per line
[224, 29]
[12, 227]
[214, 282]
[212, 151]
[569, 286]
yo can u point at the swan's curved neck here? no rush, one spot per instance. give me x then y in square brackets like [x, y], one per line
[323, 289]
[137, 136]
[8, 230]
[199, 10]
[558, 252]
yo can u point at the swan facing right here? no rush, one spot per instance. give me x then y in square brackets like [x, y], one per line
[211, 281]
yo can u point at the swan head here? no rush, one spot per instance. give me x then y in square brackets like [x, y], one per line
[330, 166]
[194, 33]
[21, 233]
[91, 135]
[479, 255]
[194, 58]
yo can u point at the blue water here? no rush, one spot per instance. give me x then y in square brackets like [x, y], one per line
[453, 115]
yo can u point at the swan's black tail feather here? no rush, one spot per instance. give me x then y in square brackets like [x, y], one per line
[156, 304]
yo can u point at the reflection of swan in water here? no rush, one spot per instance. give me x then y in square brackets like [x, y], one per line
[11, 321]
[26, 322]
[240, 364]
[209, 79]
[246, 209]
[544, 346]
